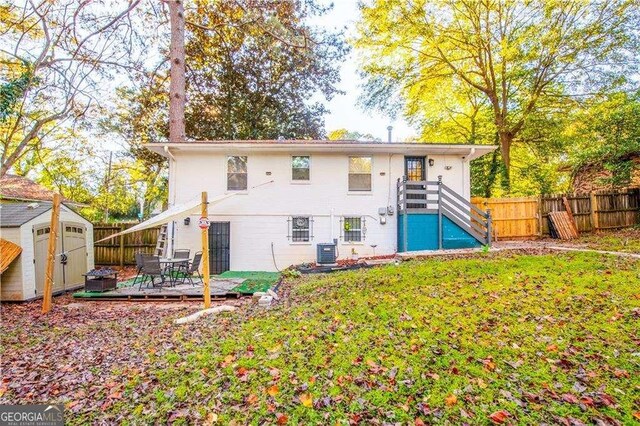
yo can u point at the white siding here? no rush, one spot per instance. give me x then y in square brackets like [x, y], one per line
[11, 279]
[259, 215]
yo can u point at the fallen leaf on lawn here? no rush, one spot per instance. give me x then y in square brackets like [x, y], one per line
[252, 399]
[115, 395]
[499, 416]
[275, 348]
[241, 371]
[570, 398]
[212, 418]
[620, 373]
[419, 422]
[552, 348]
[588, 401]
[489, 365]
[637, 415]
[451, 400]
[281, 419]
[306, 400]
[227, 361]
[273, 390]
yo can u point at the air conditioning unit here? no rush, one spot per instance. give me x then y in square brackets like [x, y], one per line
[326, 254]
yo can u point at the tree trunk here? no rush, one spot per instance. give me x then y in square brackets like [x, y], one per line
[177, 86]
[506, 140]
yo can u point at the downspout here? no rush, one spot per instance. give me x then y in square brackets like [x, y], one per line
[172, 162]
[467, 192]
[171, 200]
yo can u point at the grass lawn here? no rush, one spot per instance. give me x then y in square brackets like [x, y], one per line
[498, 338]
[627, 240]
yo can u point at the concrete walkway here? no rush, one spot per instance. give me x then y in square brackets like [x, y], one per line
[512, 245]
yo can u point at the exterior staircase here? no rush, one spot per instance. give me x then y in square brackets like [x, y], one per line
[433, 216]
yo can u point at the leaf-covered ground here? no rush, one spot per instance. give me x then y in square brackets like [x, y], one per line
[626, 240]
[498, 338]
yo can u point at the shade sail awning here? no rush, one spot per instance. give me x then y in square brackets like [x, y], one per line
[175, 212]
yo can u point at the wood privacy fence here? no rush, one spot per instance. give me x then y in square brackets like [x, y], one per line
[519, 218]
[121, 250]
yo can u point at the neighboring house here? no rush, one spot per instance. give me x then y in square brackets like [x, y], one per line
[27, 225]
[595, 176]
[294, 194]
[14, 188]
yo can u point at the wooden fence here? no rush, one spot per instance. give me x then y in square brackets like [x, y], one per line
[520, 218]
[121, 250]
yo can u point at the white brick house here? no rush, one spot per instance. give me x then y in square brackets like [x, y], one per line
[294, 194]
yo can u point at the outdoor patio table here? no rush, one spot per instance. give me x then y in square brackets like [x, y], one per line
[172, 265]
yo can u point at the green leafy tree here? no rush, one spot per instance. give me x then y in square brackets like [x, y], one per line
[251, 73]
[515, 55]
[344, 134]
[54, 57]
[607, 135]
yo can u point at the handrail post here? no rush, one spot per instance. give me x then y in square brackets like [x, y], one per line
[440, 212]
[489, 227]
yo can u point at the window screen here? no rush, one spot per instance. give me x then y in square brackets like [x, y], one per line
[359, 173]
[300, 168]
[237, 173]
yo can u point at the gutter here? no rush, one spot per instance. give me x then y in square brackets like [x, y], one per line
[166, 150]
[471, 152]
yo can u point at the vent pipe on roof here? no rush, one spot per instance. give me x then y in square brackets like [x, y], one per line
[389, 129]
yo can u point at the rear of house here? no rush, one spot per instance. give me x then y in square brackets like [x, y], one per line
[289, 196]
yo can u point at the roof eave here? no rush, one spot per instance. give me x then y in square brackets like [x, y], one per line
[469, 151]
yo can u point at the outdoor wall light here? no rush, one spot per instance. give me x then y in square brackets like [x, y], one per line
[431, 162]
[187, 220]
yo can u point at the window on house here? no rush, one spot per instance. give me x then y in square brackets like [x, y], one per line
[237, 173]
[359, 173]
[353, 229]
[300, 229]
[300, 168]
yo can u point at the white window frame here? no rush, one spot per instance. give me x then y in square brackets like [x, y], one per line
[359, 191]
[226, 174]
[299, 181]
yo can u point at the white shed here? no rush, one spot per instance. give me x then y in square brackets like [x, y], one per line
[28, 226]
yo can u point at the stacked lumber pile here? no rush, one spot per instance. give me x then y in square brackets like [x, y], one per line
[562, 226]
[8, 253]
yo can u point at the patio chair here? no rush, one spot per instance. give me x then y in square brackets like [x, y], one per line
[151, 269]
[139, 266]
[181, 253]
[193, 267]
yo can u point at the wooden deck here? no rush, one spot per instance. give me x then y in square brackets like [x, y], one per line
[220, 288]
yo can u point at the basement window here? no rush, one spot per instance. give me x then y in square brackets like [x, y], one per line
[353, 229]
[237, 173]
[300, 229]
[359, 173]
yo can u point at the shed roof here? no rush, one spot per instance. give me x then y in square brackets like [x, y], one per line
[13, 215]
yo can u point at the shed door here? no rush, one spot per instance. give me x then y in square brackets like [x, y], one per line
[41, 244]
[219, 244]
[75, 249]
